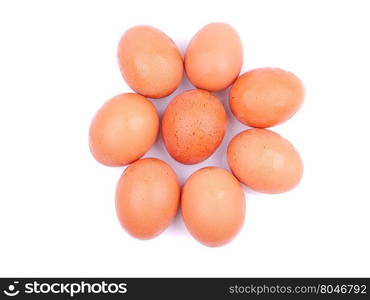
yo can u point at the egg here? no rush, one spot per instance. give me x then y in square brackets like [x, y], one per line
[265, 97]
[264, 161]
[123, 129]
[150, 62]
[214, 57]
[147, 198]
[213, 206]
[193, 126]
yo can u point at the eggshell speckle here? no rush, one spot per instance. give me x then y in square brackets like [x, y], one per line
[150, 62]
[193, 126]
[214, 57]
[213, 206]
[123, 129]
[264, 161]
[147, 198]
[265, 97]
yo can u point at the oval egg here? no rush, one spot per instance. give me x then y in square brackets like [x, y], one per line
[214, 57]
[213, 206]
[149, 61]
[264, 161]
[265, 97]
[147, 198]
[193, 126]
[123, 129]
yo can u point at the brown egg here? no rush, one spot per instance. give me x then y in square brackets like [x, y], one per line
[264, 161]
[123, 129]
[214, 57]
[150, 62]
[213, 206]
[147, 198]
[265, 97]
[193, 126]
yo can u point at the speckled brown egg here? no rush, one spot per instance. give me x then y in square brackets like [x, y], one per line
[193, 126]
[213, 206]
[214, 57]
[264, 161]
[123, 129]
[265, 97]
[149, 61]
[147, 198]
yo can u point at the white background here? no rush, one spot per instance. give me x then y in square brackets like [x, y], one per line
[57, 67]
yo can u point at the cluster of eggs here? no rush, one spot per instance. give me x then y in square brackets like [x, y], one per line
[193, 125]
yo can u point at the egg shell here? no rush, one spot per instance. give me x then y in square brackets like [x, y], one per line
[147, 198]
[193, 126]
[264, 161]
[123, 129]
[149, 61]
[214, 57]
[265, 97]
[213, 206]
